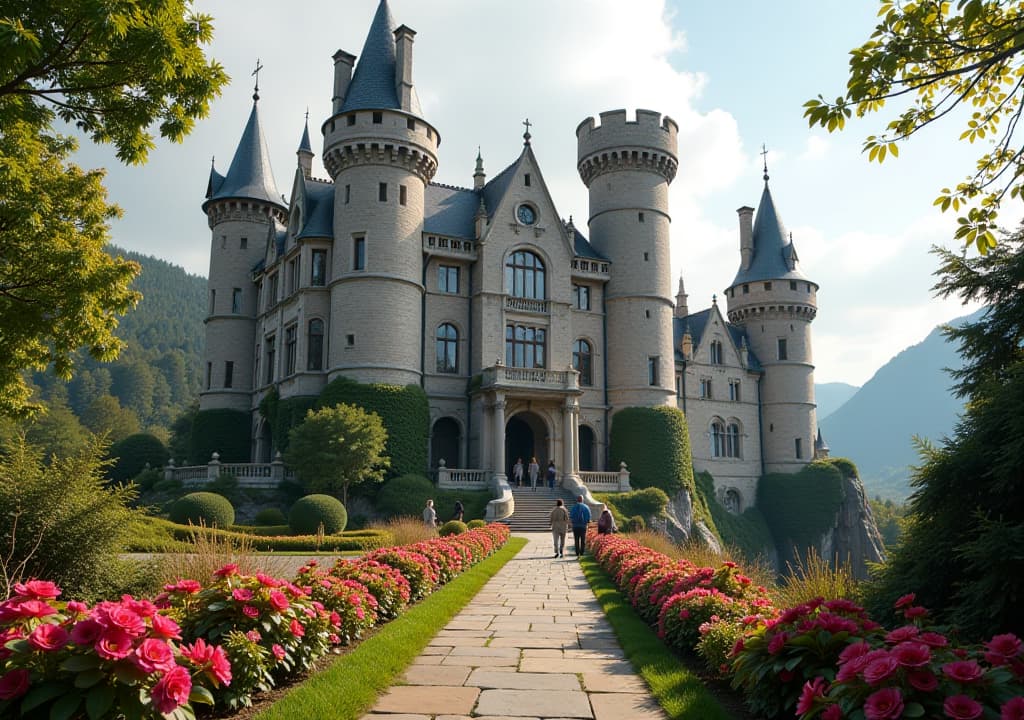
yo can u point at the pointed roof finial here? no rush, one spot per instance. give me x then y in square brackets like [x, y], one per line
[714, 299]
[526, 135]
[479, 160]
[256, 74]
[764, 157]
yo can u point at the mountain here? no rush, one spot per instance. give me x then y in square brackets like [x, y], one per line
[831, 396]
[910, 395]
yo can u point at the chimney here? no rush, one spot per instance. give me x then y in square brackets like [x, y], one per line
[343, 63]
[746, 236]
[403, 66]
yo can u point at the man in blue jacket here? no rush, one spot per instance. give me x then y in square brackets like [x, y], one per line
[580, 517]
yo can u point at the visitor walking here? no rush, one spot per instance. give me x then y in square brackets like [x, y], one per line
[430, 515]
[580, 517]
[559, 526]
[517, 472]
[606, 522]
[534, 472]
[459, 511]
[552, 474]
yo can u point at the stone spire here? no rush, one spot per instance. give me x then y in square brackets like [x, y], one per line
[305, 151]
[681, 310]
[479, 176]
[249, 176]
[373, 85]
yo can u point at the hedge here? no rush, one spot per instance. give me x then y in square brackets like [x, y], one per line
[221, 431]
[132, 454]
[403, 410]
[748, 531]
[655, 444]
[800, 507]
[285, 414]
[647, 502]
[361, 540]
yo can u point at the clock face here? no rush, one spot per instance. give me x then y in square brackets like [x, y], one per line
[526, 215]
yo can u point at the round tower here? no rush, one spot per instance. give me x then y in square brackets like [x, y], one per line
[627, 167]
[242, 209]
[381, 154]
[775, 304]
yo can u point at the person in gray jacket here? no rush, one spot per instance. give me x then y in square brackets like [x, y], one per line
[559, 526]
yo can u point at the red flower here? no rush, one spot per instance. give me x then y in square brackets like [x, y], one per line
[901, 634]
[278, 601]
[227, 571]
[37, 589]
[832, 712]
[886, 704]
[912, 654]
[33, 609]
[250, 611]
[1002, 649]
[114, 644]
[242, 594]
[48, 637]
[172, 690]
[813, 690]
[124, 619]
[879, 669]
[777, 642]
[86, 632]
[297, 629]
[912, 613]
[267, 581]
[923, 680]
[152, 655]
[904, 601]
[933, 639]
[1013, 709]
[962, 671]
[961, 707]
[165, 627]
[14, 684]
[190, 587]
[853, 651]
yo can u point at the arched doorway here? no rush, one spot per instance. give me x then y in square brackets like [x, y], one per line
[586, 458]
[525, 437]
[444, 443]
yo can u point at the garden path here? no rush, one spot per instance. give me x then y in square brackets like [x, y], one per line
[533, 643]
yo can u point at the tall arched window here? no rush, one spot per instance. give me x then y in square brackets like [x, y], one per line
[717, 439]
[716, 353]
[447, 348]
[581, 361]
[315, 345]
[524, 276]
[732, 440]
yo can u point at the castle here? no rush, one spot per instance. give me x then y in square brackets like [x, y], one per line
[526, 336]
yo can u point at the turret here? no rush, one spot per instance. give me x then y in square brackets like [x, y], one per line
[682, 309]
[479, 176]
[381, 154]
[305, 151]
[627, 166]
[241, 208]
[775, 303]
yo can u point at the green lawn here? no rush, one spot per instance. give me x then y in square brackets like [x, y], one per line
[349, 687]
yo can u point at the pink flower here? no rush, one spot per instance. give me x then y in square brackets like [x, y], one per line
[253, 636]
[221, 666]
[912, 654]
[813, 690]
[127, 620]
[277, 651]
[114, 644]
[1002, 648]
[879, 669]
[242, 594]
[172, 690]
[933, 639]
[14, 684]
[190, 587]
[198, 652]
[165, 627]
[75, 608]
[853, 651]
[912, 613]
[86, 632]
[961, 707]
[962, 671]
[227, 571]
[278, 600]
[296, 628]
[267, 581]
[250, 611]
[37, 589]
[832, 712]
[923, 680]
[1013, 709]
[901, 634]
[34, 609]
[48, 637]
[885, 704]
[152, 655]
[904, 601]
[777, 642]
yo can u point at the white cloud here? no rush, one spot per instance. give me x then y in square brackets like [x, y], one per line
[815, 149]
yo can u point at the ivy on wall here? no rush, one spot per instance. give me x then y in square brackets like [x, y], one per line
[221, 431]
[655, 445]
[800, 507]
[747, 531]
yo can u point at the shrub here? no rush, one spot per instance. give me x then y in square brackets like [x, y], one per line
[224, 484]
[800, 507]
[313, 511]
[649, 502]
[474, 524]
[147, 479]
[270, 516]
[221, 431]
[655, 444]
[452, 527]
[203, 508]
[387, 584]
[633, 524]
[131, 456]
[406, 495]
[167, 485]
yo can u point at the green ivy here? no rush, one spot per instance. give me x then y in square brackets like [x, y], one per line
[404, 412]
[655, 444]
[221, 431]
[285, 414]
[747, 531]
[800, 507]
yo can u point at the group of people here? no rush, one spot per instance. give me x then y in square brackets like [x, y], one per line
[578, 518]
[430, 514]
[532, 471]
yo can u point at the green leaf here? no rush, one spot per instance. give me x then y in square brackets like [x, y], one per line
[80, 663]
[99, 700]
[913, 710]
[42, 694]
[200, 694]
[88, 678]
[64, 708]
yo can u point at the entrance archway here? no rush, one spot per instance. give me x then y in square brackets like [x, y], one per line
[525, 437]
[586, 449]
[444, 443]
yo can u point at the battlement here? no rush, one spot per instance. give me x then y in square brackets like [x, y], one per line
[649, 141]
[378, 135]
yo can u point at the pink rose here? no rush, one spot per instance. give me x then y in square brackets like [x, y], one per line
[962, 671]
[190, 587]
[933, 639]
[777, 642]
[912, 613]
[277, 651]
[242, 594]
[198, 652]
[885, 704]
[126, 620]
[221, 666]
[296, 628]
[813, 690]
[961, 707]
[114, 644]
[853, 651]
[267, 581]
[253, 636]
[250, 611]
[278, 600]
[14, 684]
[923, 680]
[1013, 709]
[902, 634]
[165, 627]
[75, 608]
[86, 632]
[152, 655]
[879, 669]
[227, 571]
[1002, 648]
[912, 654]
[904, 601]
[37, 589]
[172, 690]
[832, 712]
[34, 609]
[48, 637]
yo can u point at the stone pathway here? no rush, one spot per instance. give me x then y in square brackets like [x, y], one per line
[533, 643]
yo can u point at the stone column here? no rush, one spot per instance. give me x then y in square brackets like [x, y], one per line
[485, 435]
[498, 430]
[568, 435]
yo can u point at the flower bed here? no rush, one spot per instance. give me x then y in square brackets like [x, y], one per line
[216, 643]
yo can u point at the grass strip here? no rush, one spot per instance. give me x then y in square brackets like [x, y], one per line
[349, 687]
[680, 693]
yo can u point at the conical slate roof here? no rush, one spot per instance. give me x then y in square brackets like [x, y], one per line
[774, 256]
[373, 82]
[249, 176]
[304, 145]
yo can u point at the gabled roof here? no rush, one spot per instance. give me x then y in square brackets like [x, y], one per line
[373, 82]
[583, 248]
[696, 323]
[495, 189]
[249, 176]
[319, 216]
[450, 211]
[774, 255]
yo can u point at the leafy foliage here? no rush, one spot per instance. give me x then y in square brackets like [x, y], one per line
[941, 56]
[134, 453]
[405, 495]
[800, 507]
[284, 415]
[452, 527]
[655, 444]
[203, 509]
[221, 431]
[889, 518]
[748, 532]
[316, 513]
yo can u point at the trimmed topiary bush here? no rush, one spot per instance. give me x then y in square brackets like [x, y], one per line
[270, 516]
[474, 524]
[453, 527]
[655, 444]
[405, 496]
[203, 508]
[312, 511]
[222, 431]
[132, 454]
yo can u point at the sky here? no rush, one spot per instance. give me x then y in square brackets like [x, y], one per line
[733, 75]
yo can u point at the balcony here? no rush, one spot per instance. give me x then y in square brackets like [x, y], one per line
[527, 305]
[502, 377]
[449, 247]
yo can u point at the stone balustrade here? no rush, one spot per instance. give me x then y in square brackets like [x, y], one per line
[532, 378]
[530, 305]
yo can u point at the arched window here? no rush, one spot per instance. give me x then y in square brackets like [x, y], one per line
[586, 449]
[524, 276]
[716, 353]
[732, 440]
[717, 439]
[444, 443]
[315, 345]
[581, 361]
[447, 348]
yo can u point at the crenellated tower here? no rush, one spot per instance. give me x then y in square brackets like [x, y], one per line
[241, 208]
[627, 166]
[381, 154]
[775, 303]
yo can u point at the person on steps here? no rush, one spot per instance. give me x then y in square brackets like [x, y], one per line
[552, 474]
[517, 472]
[534, 472]
[580, 517]
[559, 526]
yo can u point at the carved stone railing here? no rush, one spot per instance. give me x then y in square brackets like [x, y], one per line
[531, 378]
[607, 481]
[249, 475]
[451, 247]
[520, 304]
[460, 478]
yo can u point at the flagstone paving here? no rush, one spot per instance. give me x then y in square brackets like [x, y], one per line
[533, 643]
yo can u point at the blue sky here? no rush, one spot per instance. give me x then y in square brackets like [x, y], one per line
[733, 75]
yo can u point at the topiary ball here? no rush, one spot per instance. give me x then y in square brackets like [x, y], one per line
[474, 524]
[312, 511]
[453, 527]
[270, 516]
[203, 508]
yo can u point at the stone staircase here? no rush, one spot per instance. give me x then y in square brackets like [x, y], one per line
[533, 508]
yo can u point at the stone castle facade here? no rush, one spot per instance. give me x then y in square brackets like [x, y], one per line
[526, 335]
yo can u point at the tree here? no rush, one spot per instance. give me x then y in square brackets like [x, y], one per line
[941, 57]
[105, 416]
[961, 550]
[336, 447]
[113, 71]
